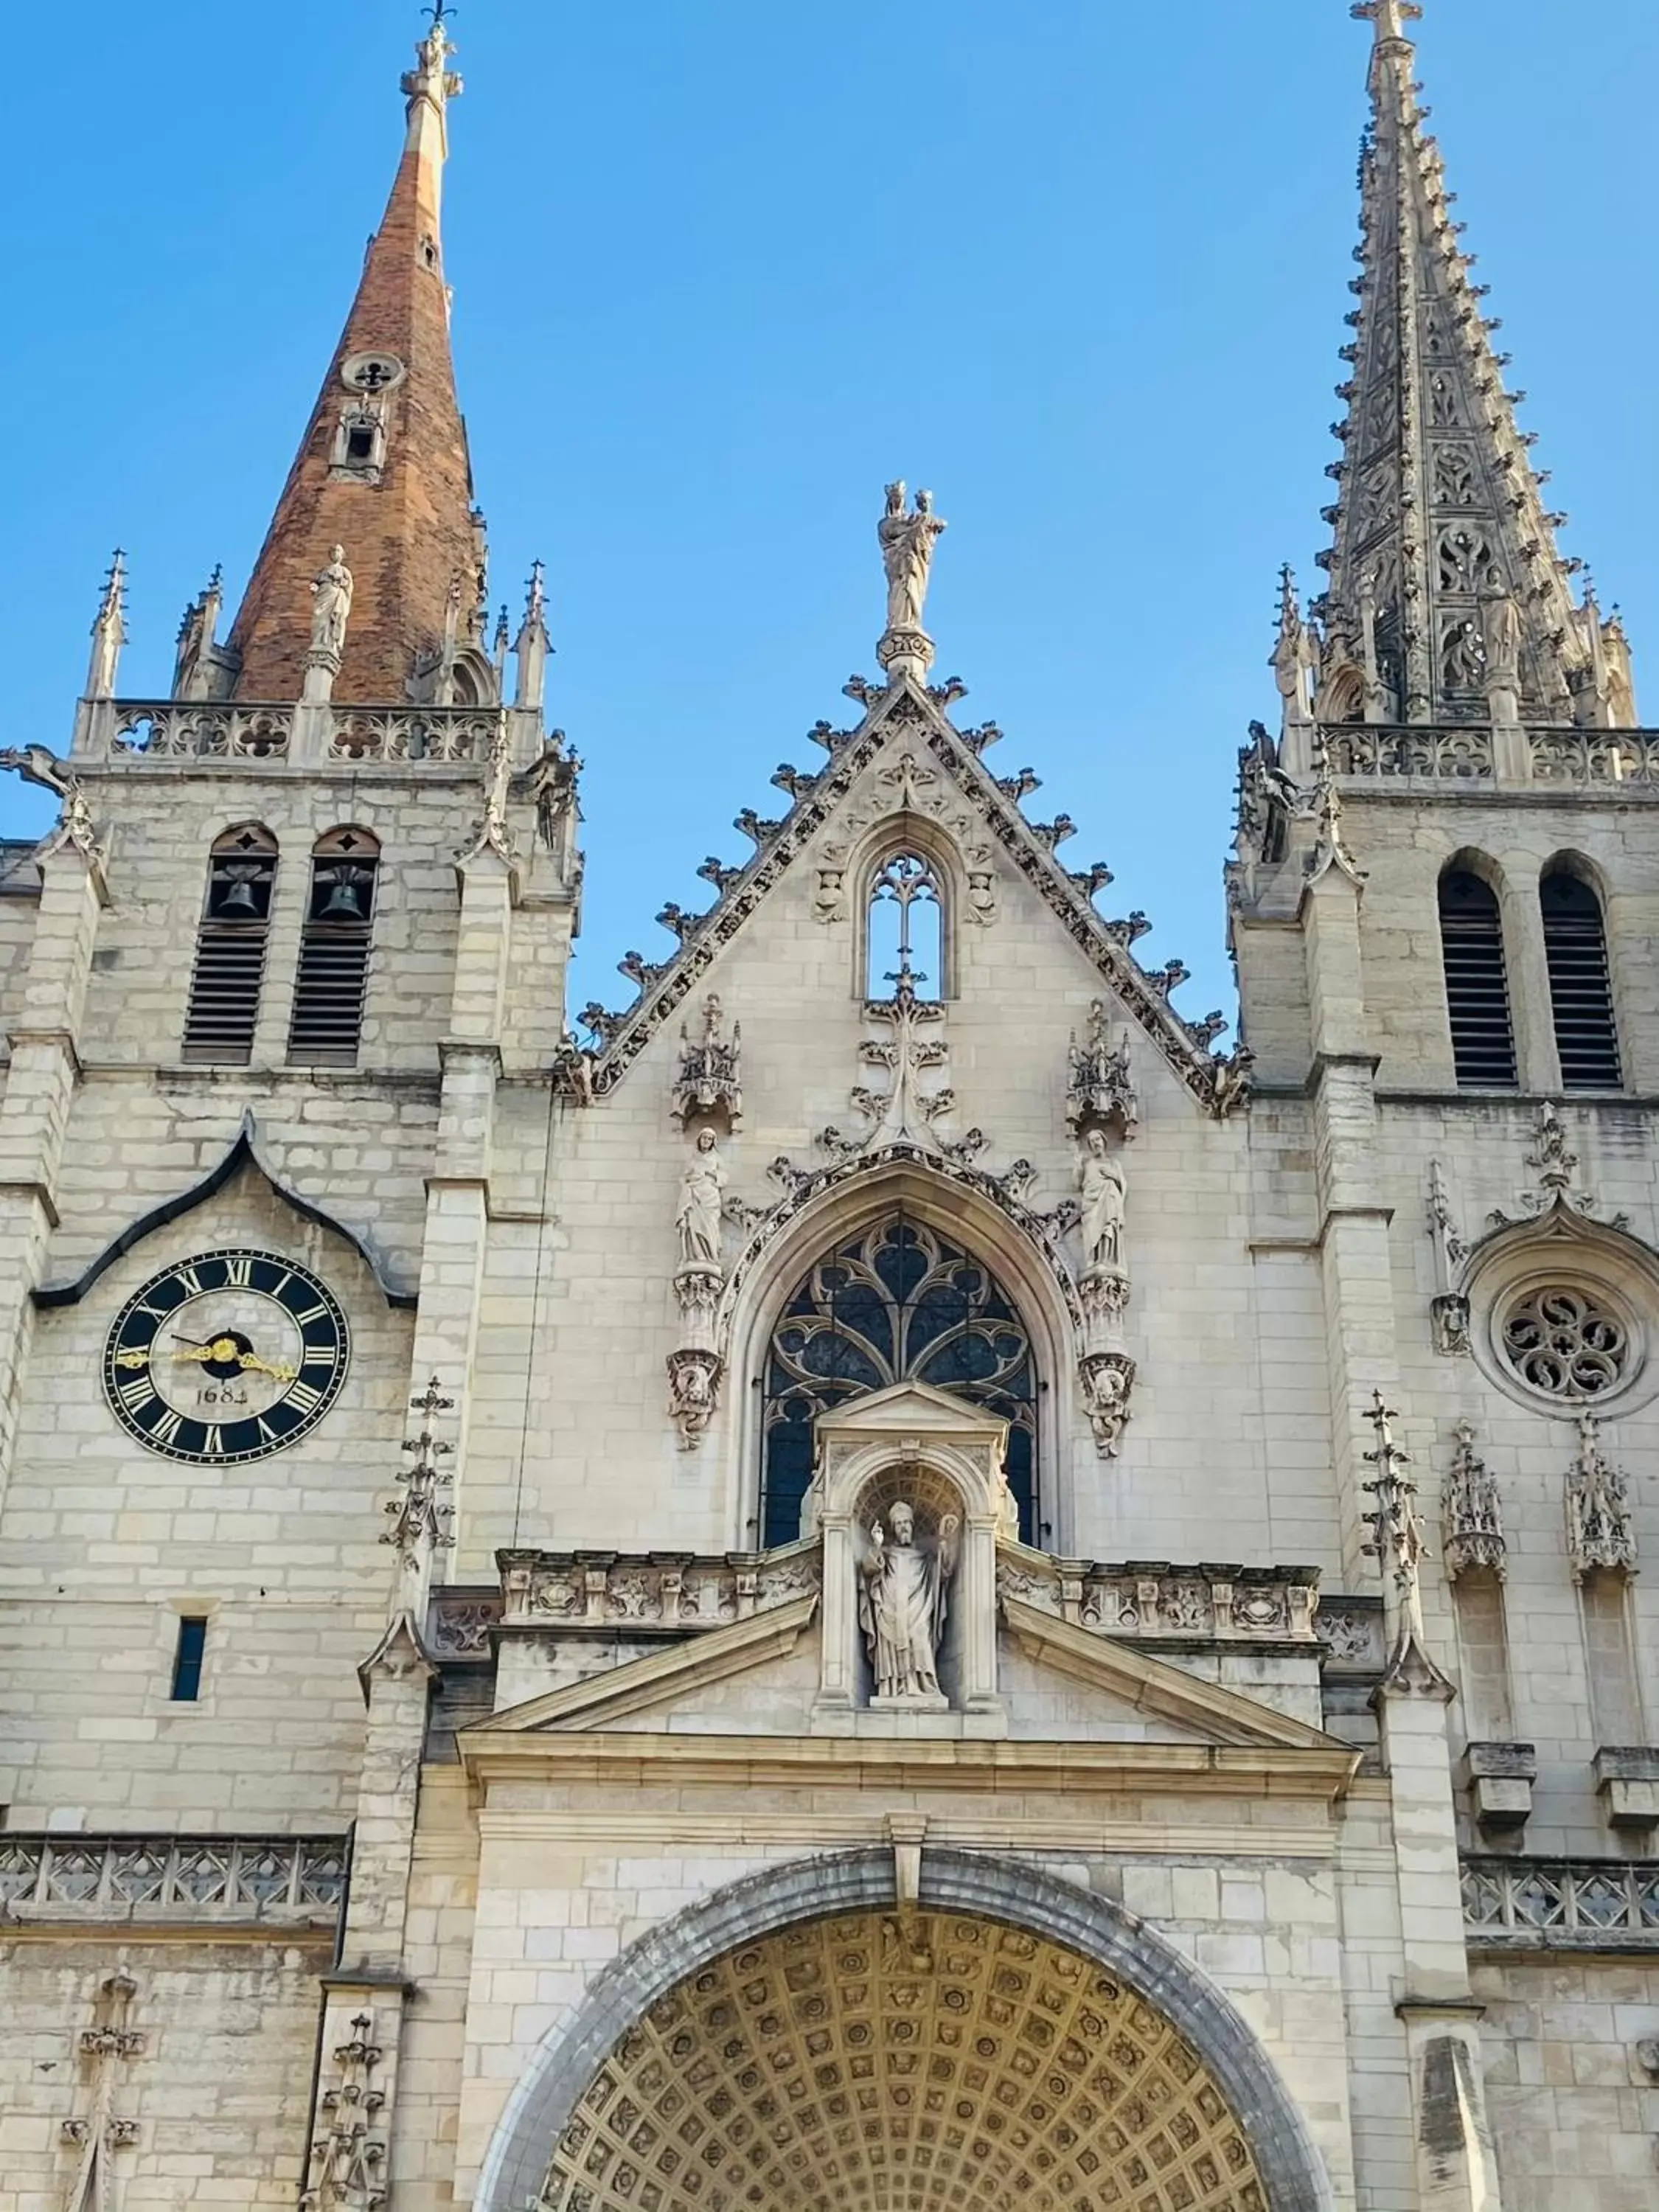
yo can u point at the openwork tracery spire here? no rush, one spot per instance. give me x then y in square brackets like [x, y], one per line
[1444, 578]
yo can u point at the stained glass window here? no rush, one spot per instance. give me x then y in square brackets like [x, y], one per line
[897, 1303]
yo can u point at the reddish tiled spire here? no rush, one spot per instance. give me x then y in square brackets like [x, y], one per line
[383, 469]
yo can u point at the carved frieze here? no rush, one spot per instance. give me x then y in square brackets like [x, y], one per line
[1203, 1603]
[599, 1589]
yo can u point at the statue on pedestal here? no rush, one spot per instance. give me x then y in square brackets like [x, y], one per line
[1103, 1185]
[701, 1205]
[901, 1601]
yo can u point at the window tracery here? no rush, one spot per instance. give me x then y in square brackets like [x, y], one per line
[905, 928]
[895, 1302]
[1566, 1341]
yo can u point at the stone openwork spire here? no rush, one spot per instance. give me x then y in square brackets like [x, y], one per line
[1447, 599]
[383, 469]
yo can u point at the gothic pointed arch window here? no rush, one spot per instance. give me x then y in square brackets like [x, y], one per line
[898, 1301]
[1477, 982]
[904, 931]
[226, 980]
[333, 982]
[1581, 988]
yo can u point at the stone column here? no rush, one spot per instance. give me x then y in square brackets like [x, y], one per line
[40, 1088]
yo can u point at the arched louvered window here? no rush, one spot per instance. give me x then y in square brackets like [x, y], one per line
[328, 997]
[230, 948]
[1477, 986]
[896, 1303]
[1581, 990]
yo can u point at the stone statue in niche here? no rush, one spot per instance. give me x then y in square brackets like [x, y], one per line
[701, 1204]
[902, 1590]
[906, 552]
[330, 593]
[1104, 1184]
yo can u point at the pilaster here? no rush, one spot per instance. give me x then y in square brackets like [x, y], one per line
[1353, 1222]
[39, 1089]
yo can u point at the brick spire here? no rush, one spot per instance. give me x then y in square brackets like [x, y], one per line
[383, 468]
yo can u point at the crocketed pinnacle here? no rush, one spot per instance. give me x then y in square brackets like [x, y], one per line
[383, 469]
[1441, 516]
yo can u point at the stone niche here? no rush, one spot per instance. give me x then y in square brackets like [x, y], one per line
[911, 1446]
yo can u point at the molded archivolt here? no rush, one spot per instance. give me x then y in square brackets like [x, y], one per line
[243, 1153]
[792, 2046]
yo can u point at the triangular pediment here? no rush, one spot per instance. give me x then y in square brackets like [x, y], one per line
[1121, 1677]
[912, 1406]
[906, 755]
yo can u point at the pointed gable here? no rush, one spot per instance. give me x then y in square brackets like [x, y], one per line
[383, 468]
[908, 719]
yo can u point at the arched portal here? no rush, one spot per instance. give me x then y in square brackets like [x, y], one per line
[1015, 2044]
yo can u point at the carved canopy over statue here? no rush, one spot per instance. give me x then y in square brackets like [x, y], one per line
[902, 1590]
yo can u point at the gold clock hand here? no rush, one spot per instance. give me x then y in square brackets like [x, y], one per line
[132, 1359]
[278, 1372]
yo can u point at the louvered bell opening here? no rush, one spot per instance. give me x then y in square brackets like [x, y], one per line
[1581, 989]
[333, 980]
[1477, 988]
[230, 952]
[224, 994]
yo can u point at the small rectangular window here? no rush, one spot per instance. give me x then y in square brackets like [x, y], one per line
[188, 1657]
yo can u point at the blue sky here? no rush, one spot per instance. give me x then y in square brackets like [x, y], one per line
[722, 269]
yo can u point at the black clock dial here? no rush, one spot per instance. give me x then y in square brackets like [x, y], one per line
[228, 1356]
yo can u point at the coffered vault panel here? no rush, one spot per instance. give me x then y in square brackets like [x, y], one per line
[859, 2064]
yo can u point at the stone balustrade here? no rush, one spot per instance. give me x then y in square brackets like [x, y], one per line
[1465, 755]
[176, 730]
[1435, 755]
[1565, 1904]
[294, 1880]
[656, 1590]
[1158, 1601]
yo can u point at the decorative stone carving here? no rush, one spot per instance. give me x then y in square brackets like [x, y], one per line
[904, 1591]
[1601, 1524]
[710, 1077]
[1472, 1512]
[595, 1589]
[420, 1520]
[1107, 1378]
[1556, 1166]
[1104, 1185]
[1450, 1308]
[1208, 1603]
[112, 2043]
[284, 1880]
[693, 1392]
[906, 1112]
[330, 609]
[1100, 1090]
[1397, 1545]
[908, 543]
[348, 2158]
[702, 1206]
[1450, 1317]
[109, 631]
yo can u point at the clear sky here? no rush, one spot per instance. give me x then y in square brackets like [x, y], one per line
[722, 267]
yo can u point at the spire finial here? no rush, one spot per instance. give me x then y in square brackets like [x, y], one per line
[433, 84]
[109, 630]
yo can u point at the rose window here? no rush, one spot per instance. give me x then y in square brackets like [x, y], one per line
[1566, 1342]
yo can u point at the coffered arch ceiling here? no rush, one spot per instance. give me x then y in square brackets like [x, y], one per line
[857, 2065]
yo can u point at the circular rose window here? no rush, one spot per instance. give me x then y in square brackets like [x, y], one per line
[1566, 1341]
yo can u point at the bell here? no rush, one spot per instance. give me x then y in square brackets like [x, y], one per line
[237, 895]
[344, 900]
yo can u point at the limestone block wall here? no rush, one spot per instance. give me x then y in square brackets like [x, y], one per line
[1528, 1443]
[1575, 2111]
[20, 899]
[160, 820]
[220, 2090]
[590, 1291]
[103, 1545]
[562, 1890]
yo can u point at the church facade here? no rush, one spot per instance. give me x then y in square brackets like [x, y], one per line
[753, 1602]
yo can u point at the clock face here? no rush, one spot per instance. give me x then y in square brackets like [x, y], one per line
[230, 1356]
